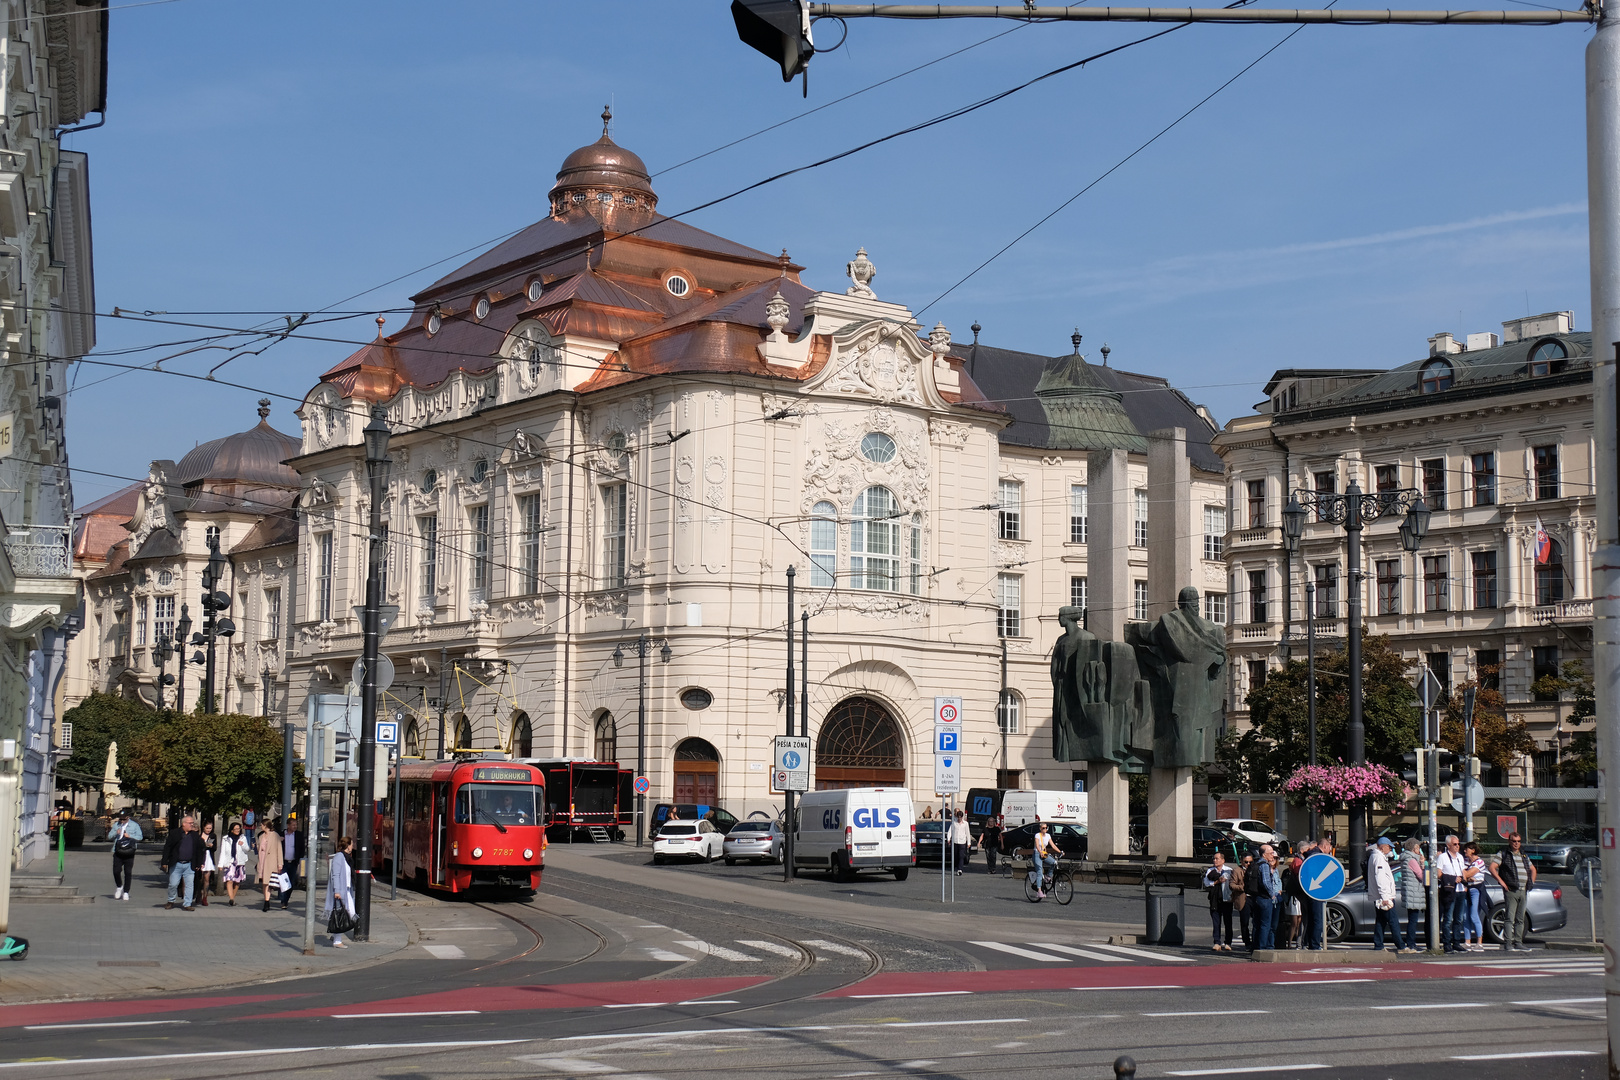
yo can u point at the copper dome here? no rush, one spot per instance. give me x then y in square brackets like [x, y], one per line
[250, 459]
[602, 167]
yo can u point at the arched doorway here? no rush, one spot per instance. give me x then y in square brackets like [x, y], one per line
[607, 738]
[522, 736]
[413, 740]
[463, 731]
[697, 772]
[859, 746]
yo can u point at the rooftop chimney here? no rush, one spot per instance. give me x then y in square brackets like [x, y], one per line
[1531, 326]
[1443, 344]
[1483, 341]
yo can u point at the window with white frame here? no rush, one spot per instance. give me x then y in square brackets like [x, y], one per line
[1139, 596]
[823, 545]
[874, 541]
[244, 620]
[1010, 498]
[323, 577]
[1010, 713]
[1214, 532]
[1077, 592]
[427, 535]
[916, 555]
[529, 517]
[1139, 539]
[1009, 605]
[211, 536]
[1215, 608]
[478, 519]
[272, 614]
[142, 606]
[1077, 513]
[615, 533]
[163, 618]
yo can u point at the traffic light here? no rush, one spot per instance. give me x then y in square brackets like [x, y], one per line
[1446, 767]
[778, 28]
[1414, 772]
[1473, 768]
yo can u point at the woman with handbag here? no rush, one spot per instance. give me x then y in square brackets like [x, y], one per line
[339, 911]
[233, 858]
[205, 873]
[270, 862]
[125, 835]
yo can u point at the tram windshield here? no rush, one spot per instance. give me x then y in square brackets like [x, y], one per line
[495, 804]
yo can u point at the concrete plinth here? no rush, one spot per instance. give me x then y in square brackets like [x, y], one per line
[1173, 535]
[1108, 810]
[1109, 525]
[1170, 812]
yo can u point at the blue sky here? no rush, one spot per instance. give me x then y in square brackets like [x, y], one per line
[1358, 190]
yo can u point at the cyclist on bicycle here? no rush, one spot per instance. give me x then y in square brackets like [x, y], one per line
[1046, 852]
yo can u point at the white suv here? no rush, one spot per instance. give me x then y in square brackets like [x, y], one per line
[688, 840]
[1249, 829]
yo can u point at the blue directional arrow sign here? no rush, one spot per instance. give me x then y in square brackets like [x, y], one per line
[1322, 876]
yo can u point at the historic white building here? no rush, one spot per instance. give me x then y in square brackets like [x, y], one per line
[1496, 431]
[614, 423]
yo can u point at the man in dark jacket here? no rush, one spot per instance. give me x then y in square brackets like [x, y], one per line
[183, 852]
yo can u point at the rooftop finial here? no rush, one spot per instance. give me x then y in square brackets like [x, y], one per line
[607, 119]
[1105, 351]
[1075, 338]
[264, 408]
[975, 328]
[784, 262]
[380, 321]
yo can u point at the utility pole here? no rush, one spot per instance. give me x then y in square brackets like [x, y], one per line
[787, 796]
[376, 435]
[1310, 685]
[444, 692]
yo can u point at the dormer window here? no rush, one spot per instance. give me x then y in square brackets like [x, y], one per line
[1547, 357]
[481, 309]
[1437, 376]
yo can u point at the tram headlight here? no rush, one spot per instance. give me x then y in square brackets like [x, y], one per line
[478, 853]
[528, 853]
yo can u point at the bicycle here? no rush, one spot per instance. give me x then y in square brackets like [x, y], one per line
[1059, 885]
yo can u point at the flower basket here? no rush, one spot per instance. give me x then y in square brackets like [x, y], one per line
[1325, 788]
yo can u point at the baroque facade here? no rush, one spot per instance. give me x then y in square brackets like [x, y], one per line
[1496, 432]
[54, 59]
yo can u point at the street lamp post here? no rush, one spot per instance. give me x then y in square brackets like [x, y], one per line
[1354, 510]
[215, 625]
[377, 467]
[182, 630]
[641, 644]
[162, 653]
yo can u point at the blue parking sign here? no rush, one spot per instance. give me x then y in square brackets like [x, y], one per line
[947, 741]
[1321, 876]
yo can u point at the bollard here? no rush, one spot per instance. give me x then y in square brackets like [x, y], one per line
[61, 849]
[1124, 1067]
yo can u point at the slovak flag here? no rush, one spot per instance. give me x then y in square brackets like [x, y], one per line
[1543, 545]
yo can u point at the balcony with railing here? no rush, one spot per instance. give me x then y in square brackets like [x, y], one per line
[41, 551]
[41, 587]
[1563, 612]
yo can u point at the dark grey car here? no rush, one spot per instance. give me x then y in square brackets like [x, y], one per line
[1350, 914]
[1562, 849]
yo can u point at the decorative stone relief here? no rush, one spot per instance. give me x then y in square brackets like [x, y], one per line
[532, 608]
[329, 418]
[317, 635]
[1007, 555]
[948, 433]
[524, 461]
[616, 602]
[861, 272]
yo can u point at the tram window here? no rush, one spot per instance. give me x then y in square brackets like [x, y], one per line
[487, 804]
[416, 802]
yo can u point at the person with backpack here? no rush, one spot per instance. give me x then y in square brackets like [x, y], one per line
[125, 835]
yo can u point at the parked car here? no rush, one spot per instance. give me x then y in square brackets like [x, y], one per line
[1562, 849]
[1207, 840]
[930, 843]
[1351, 915]
[722, 819]
[760, 841]
[1258, 831]
[1070, 839]
[688, 840]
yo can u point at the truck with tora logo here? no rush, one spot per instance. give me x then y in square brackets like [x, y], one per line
[848, 830]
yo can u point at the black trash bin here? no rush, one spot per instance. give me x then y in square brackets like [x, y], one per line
[1166, 914]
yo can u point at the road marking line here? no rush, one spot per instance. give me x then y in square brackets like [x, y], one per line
[566, 1064]
[1521, 1056]
[447, 929]
[364, 1047]
[834, 947]
[1087, 953]
[1215, 1012]
[719, 951]
[117, 1024]
[665, 954]
[1027, 954]
[925, 993]
[372, 1016]
[637, 1005]
[445, 952]
[1177, 986]
[771, 947]
[1313, 982]
[721, 1001]
[1435, 1005]
[1560, 1001]
[920, 1063]
[1532, 975]
[1144, 954]
[802, 1027]
[1243, 1069]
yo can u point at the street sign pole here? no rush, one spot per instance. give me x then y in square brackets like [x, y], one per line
[948, 744]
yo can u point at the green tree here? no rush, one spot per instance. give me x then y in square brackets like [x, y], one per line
[1499, 739]
[1278, 741]
[98, 721]
[211, 762]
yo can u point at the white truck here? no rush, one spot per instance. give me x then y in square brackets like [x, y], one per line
[853, 829]
[1022, 807]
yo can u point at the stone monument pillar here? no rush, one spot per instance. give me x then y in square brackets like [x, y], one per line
[1109, 521]
[1172, 532]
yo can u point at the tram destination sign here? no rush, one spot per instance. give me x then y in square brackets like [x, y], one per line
[501, 772]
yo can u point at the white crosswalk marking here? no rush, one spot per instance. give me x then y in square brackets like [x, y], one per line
[834, 947]
[1027, 954]
[665, 954]
[1087, 953]
[445, 952]
[719, 951]
[1162, 958]
[771, 947]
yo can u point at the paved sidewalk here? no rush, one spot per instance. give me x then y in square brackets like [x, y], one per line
[133, 947]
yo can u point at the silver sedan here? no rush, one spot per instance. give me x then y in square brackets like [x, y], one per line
[1351, 914]
[760, 841]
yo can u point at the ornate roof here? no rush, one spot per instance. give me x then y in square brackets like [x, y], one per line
[248, 459]
[602, 173]
[1081, 412]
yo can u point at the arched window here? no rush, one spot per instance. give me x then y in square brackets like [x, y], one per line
[859, 745]
[1437, 376]
[1547, 358]
[697, 772]
[522, 736]
[874, 541]
[463, 730]
[823, 545]
[607, 738]
[413, 740]
[1010, 713]
[1550, 576]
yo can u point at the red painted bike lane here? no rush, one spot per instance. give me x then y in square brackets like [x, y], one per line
[75, 1012]
[517, 998]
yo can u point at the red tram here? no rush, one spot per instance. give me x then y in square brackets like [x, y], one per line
[466, 824]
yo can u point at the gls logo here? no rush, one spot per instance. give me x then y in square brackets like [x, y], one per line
[862, 818]
[830, 818]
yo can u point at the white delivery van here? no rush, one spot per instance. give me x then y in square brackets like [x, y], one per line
[1022, 807]
[855, 829]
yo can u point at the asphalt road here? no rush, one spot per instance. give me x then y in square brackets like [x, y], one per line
[632, 973]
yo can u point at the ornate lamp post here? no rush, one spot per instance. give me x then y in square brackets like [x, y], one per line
[641, 644]
[215, 625]
[1354, 510]
[162, 653]
[377, 468]
[182, 630]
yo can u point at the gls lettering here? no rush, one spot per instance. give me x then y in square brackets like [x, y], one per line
[875, 819]
[831, 818]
